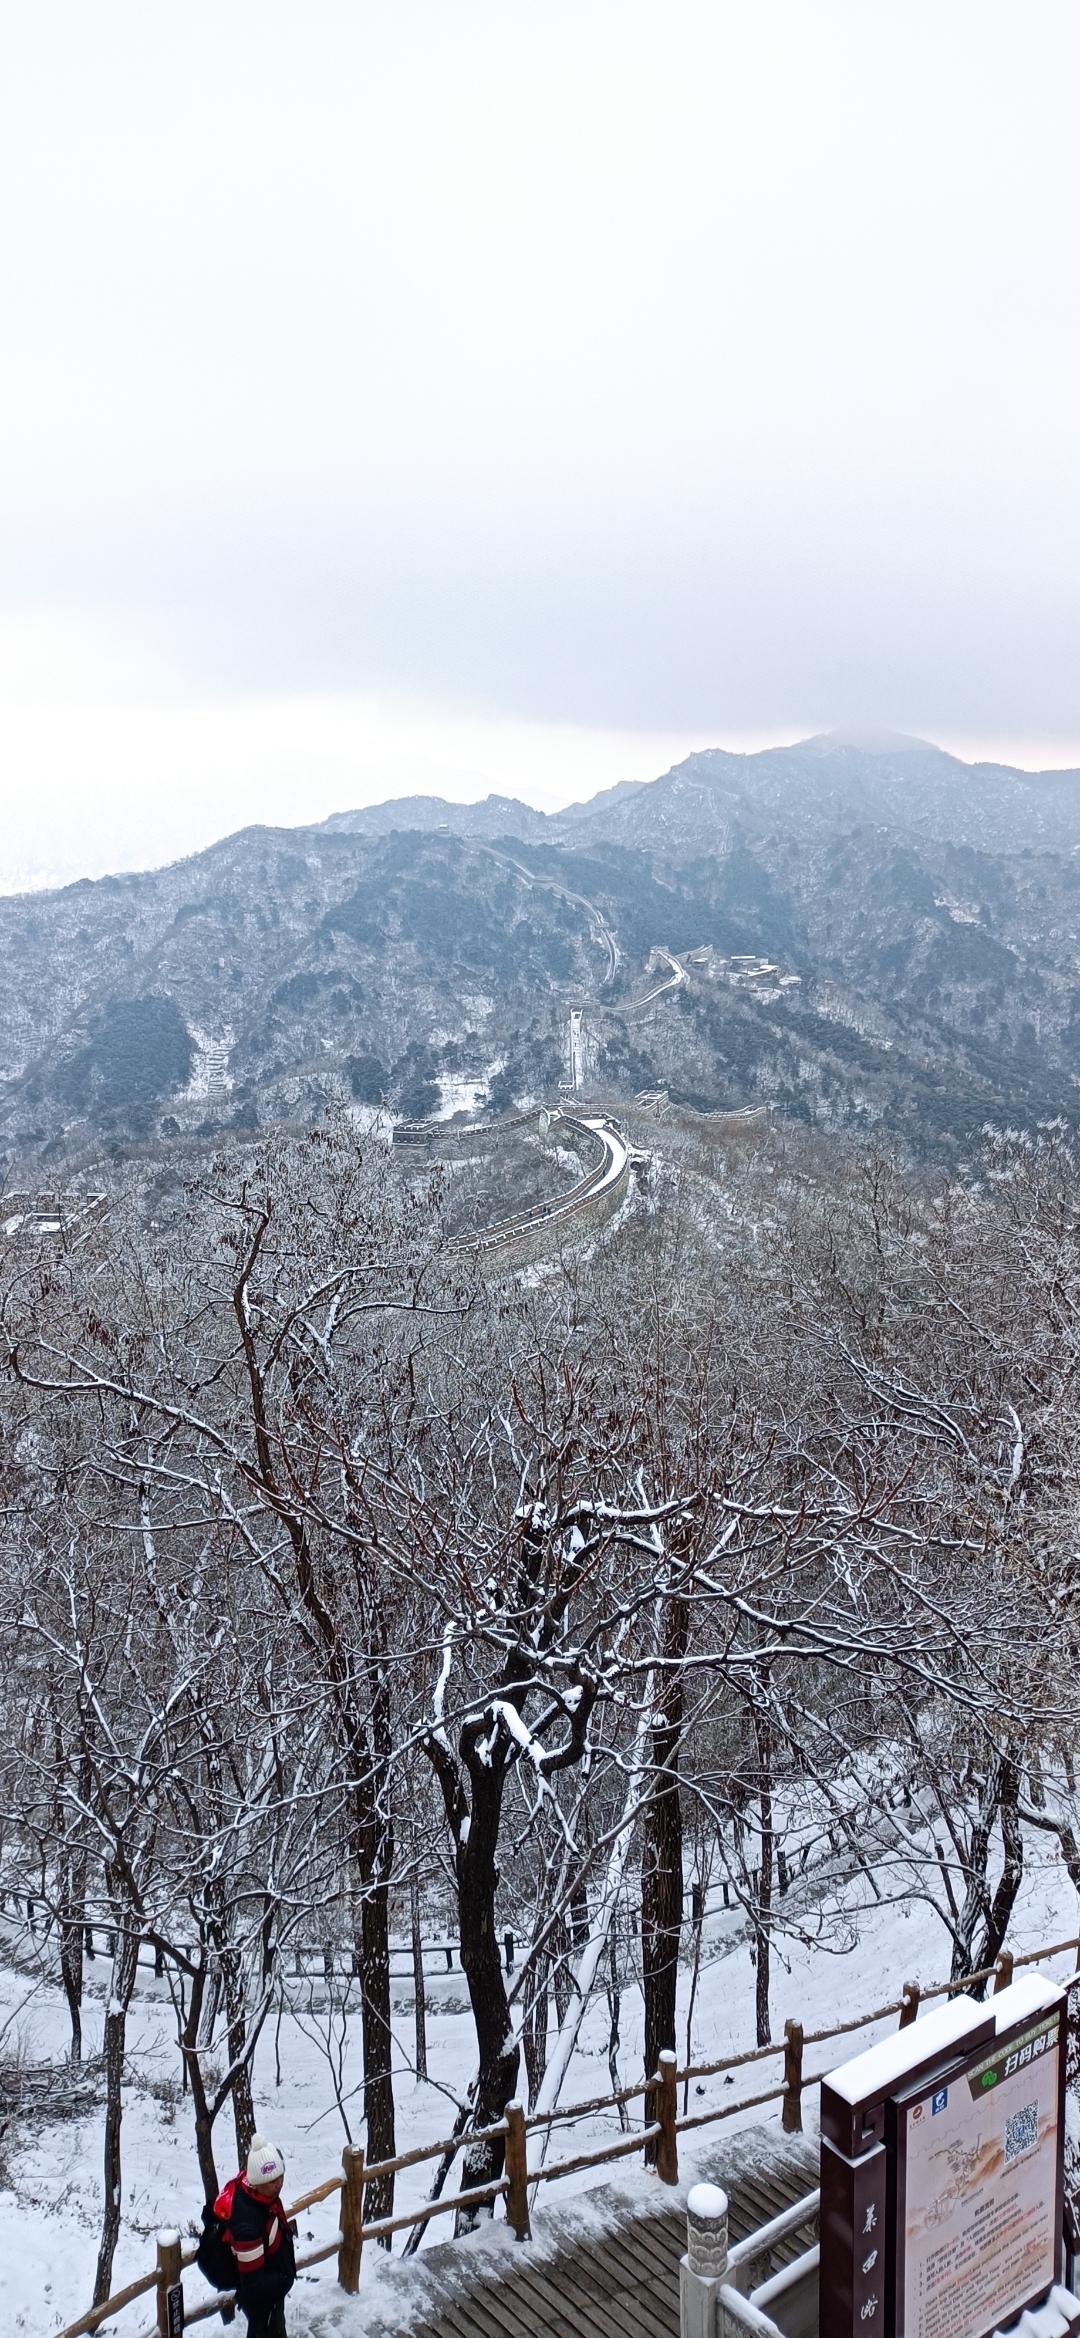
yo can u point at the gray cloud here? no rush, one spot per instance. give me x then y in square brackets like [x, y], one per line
[712, 365]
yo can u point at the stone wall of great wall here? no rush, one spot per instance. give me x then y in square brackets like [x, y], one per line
[532, 1233]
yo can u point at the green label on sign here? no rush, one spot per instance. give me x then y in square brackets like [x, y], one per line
[1040, 2039]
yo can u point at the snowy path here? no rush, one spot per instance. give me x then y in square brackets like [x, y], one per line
[620, 2250]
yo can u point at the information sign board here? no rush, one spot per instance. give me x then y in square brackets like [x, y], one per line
[979, 2185]
[942, 2173]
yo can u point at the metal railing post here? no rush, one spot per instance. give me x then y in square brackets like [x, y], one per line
[704, 2266]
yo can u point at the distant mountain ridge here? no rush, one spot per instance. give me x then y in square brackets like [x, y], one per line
[896, 783]
[920, 917]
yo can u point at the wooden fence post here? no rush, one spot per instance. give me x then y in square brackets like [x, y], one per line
[909, 2006]
[793, 2051]
[352, 2219]
[168, 2272]
[667, 2144]
[1003, 1971]
[517, 2173]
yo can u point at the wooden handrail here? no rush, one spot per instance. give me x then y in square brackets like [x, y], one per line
[481, 2195]
[476, 2198]
[321, 2192]
[393, 2167]
[600, 2102]
[112, 2305]
[774, 2094]
[596, 2159]
[1034, 1956]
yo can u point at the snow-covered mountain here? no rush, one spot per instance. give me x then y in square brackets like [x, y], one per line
[914, 924]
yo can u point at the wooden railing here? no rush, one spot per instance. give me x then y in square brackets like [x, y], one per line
[659, 2131]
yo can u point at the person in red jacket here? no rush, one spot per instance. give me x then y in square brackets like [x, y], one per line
[260, 2239]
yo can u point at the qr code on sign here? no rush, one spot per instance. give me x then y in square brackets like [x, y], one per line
[1021, 2132]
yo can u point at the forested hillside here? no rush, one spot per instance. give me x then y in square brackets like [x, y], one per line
[340, 1576]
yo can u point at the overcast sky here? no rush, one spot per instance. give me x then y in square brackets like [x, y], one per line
[517, 394]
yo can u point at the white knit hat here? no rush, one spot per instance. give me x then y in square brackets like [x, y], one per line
[264, 2161]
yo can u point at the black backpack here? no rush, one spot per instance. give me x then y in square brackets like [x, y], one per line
[213, 2256]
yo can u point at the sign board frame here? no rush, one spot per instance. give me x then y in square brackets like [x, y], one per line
[929, 2096]
[872, 2108]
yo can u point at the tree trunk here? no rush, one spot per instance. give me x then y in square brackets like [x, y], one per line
[269, 1940]
[236, 2011]
[211, 2001]
[662, 1854]
[369, 1758]
[976, 1902]
[1004, 1900]
[378, 2042]
[614, 1998]
[372, 1854]
[497, 2052]
[189, 2049]
[419, 1987]
[72, 1908]
[124, 1966]
[71, 1965]
[564, 1986]
[661, 1919]
[763, 1920]
[534, 2030]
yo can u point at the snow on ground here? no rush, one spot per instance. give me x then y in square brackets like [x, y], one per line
[49, 2216]
[210, 1074]
[464, 1095]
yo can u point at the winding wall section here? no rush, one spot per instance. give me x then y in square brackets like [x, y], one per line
[594, 1199]
[531, 1232]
